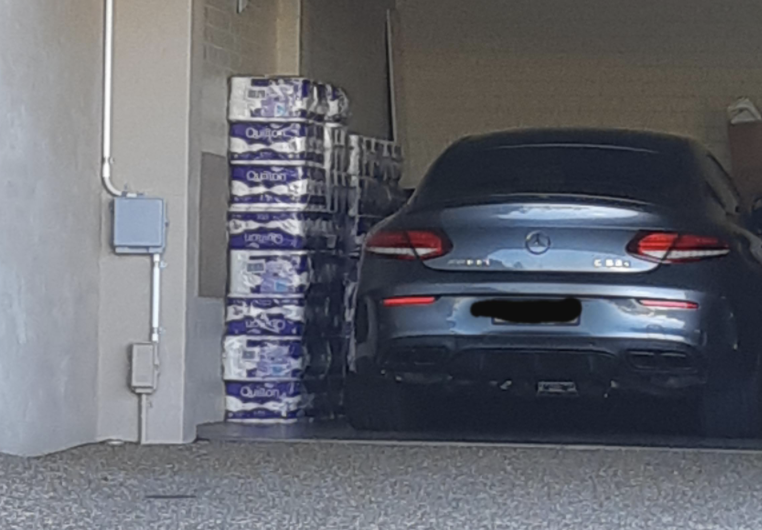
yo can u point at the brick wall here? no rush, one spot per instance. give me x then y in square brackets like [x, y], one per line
[233, 44]
[471, 67]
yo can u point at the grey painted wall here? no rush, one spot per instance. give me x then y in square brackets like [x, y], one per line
[476, 66]
[152, 153]
[49, 223]
[344, 42]
[69, 308]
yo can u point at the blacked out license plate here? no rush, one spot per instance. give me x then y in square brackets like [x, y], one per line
[548, 312]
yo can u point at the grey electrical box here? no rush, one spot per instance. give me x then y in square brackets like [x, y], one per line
[144, 369]
[140, 225]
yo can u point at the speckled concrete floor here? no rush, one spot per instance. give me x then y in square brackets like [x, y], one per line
[336, 486]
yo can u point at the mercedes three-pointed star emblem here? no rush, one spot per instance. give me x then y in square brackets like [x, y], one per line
[538, 243]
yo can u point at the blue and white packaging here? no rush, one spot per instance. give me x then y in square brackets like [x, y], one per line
[258, 359]
[263, 317]
[254, 272]
[277, 142]
[265, 187]
[277, 99]
[277, 230]
[285, 316]
[268, 272]
[264, 401]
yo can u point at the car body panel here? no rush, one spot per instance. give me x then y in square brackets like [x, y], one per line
[548, 246]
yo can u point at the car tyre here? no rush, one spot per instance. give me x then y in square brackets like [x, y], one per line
[374, 404]
[732, 411]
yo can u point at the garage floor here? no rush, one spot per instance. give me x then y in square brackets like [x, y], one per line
[640, 423]
[364, 486]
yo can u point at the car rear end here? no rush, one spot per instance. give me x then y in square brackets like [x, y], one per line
[550, 269]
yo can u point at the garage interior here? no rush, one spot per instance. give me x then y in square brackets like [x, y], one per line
[457, 69]
[421, 72]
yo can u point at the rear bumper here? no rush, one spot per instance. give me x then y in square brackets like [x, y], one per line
[618, 344]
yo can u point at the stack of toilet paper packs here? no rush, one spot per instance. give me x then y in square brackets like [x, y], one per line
[303, 193]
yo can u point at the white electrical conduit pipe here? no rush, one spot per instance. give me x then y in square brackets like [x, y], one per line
[155, 336]
[155, 298]
[106, 172]
[108, 102]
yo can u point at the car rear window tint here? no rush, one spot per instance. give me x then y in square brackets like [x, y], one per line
[571, 169]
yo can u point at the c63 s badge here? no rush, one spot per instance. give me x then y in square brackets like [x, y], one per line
[475, 263]
[612, 264]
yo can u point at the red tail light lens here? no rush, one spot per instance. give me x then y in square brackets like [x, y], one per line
[668, 304]
[670, 247]
[409, 301]
[408, 244]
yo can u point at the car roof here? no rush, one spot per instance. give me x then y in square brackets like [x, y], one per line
[620, 138]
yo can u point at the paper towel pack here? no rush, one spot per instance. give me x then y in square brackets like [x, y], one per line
[277, 142]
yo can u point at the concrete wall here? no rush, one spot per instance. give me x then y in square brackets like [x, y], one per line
[50, 219]
[476, 66]
[344, 42]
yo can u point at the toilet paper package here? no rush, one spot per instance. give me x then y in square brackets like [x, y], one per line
[263, 317]
[358, 160]
[279, 99]
[286, 316]
[279, 230]
[266, 187]
[389, 163]
[338, 185]
[371, 157]
[277, 401]
[254, 272]
[256, 359]
[265, 401]
[338, 105]
[278, 358]
[277, 142]
[336, 148]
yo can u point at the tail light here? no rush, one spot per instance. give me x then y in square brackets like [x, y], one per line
[408, 244]
[409, 301]
[670, 247]
[668, 304]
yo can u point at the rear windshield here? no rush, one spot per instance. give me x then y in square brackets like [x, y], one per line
[602, 171]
